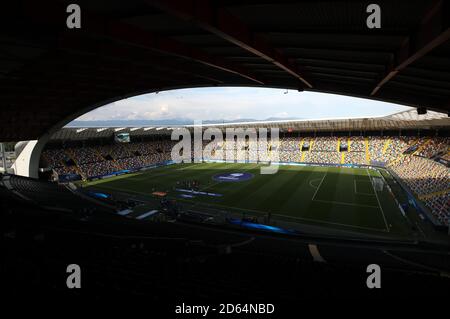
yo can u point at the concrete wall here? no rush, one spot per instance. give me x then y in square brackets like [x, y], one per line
[27, 163]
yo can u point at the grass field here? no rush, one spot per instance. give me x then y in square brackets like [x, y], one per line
[333, 196]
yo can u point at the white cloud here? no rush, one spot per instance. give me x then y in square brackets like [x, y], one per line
[237, 103]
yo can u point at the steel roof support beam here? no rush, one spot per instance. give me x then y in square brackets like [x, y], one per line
[95, 25]
[230, 28]
[433, 32]
[145, 39]
[138, 56]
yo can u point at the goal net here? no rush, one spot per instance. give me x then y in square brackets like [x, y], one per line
[378, 184]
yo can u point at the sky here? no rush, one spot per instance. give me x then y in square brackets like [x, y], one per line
[235, 103]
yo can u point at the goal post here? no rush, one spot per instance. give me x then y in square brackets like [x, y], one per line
[377, 183]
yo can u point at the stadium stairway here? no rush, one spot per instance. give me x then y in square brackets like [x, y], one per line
[396, 160]
[77, 166]
[421, 146]
[301, 144]
[114, 162]
[386, 145]
[303, 156]
[366, 142]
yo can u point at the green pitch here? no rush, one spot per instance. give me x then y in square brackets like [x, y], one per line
[331, 196]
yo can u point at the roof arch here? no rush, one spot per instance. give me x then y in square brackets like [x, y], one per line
[50, 74]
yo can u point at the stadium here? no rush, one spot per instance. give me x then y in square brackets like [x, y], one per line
[265, 211]
[317, 171]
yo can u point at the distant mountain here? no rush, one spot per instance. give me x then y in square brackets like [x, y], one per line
[167, 122]
[228, 121]
[282, 119]
[128, 123]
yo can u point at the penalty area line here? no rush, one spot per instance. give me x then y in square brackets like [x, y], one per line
[379, 204]
[320, 184]
[320, 221]
[344, 203]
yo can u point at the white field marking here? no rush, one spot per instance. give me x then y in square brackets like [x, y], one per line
[299, 218]
[196, 166]
[189, 165]
[333, 223]
[147, 214]
[344, 203]
[144, 175]
[360, 193]
[313, 180]
[262, 212]
[109, 179]
[141, 175]
[315, 253]
[378, 200]
[320, 184]
[265, 212]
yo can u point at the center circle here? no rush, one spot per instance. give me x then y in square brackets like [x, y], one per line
[232, 177]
